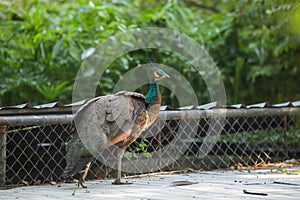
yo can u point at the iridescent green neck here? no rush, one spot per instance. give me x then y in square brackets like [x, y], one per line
[153, 93]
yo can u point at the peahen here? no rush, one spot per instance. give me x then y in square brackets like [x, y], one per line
[117, 119]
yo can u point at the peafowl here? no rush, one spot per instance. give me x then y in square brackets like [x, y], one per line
[117, 119]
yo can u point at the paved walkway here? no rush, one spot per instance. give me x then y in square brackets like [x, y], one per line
[258, 184]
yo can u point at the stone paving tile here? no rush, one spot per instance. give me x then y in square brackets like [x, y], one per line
[199, 185]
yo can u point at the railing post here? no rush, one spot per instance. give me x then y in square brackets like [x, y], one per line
[3, 130]
[285, 137]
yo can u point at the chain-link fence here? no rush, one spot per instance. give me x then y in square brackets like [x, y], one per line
[32, 147]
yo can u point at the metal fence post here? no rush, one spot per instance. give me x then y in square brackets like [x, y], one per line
[285, 137]
[2, 154]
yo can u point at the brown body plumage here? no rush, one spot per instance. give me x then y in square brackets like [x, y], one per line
[117, 119]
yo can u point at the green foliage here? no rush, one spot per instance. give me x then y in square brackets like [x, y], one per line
[254, 43]
[279, 170]
[141, 147]
[51, 92]
[258, 137]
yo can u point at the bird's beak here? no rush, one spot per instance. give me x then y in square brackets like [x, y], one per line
[166, 75]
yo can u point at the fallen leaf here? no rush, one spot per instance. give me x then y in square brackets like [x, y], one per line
[52, 182]
[240, 166]
[37, 182]
[255, 193]
[26, 183]
[291, 161]
[182, 183]
[190, 169]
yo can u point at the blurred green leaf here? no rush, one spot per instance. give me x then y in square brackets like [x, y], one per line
[52, 91]
[255, 44]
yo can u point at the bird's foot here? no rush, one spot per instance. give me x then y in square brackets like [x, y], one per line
[81, 183]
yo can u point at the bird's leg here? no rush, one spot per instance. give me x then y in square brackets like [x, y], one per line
[83, 175]
[120, 156]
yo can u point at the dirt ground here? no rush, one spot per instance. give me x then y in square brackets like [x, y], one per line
[232, 184]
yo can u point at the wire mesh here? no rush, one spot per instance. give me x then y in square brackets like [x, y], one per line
[35, 152]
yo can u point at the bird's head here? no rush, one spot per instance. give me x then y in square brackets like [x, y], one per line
[159, 74]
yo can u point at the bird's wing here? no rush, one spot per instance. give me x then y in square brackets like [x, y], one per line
[131, 94]
[104, 121]
[124, 112]
[105, 118]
